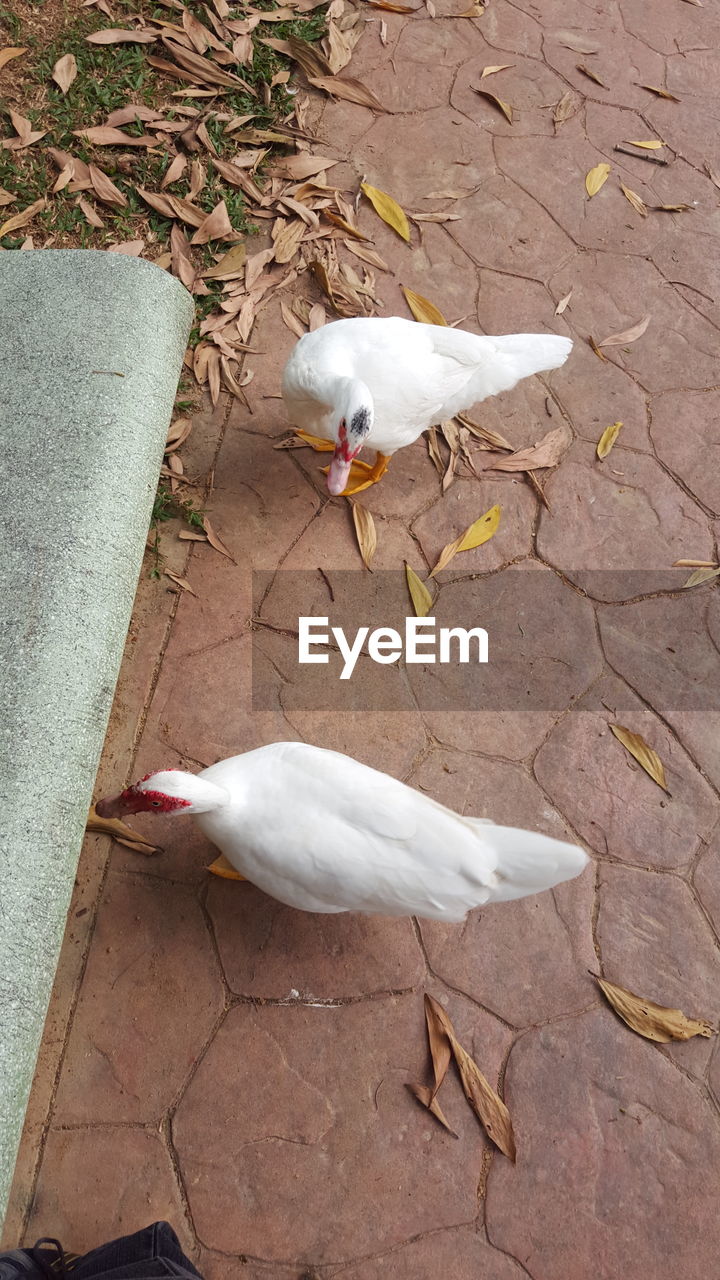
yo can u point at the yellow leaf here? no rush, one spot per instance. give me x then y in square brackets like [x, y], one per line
[636, 201]
[653, 1021]
[653, 144]
[21, 219]
[491, 71]
[365, 533]
[388, 209]
[607, 439]
[648, 759]
[425, 312]
[596, 178]
[419, 594]
[119, 831]
[6, 55]
[701, 575]
[497, 102]
[480, 531]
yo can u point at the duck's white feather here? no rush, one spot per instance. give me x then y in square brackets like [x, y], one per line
[415, 375]
[321, 832]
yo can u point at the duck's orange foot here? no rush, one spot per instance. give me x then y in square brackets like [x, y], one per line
[221, 867]
[362, 475]
[315, 442]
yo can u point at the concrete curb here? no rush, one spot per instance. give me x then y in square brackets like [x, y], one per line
[90, 354]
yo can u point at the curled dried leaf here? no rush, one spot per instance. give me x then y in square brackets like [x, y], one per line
[215, 541]
[648, 759]
[607, 439]
[427, 1097]
[425, 312]
[179, 581]
[546, 453]
[502, 106]
[702, 575]
[365, 533]
[119, 831]
[628, 335]
[21, 219]
[422, 601]
[563, 303]
[64, 72]
[349, 90]
[591, 75]
[653, 1021]
[479, 532]
[660, 93]
[596, 178]
[388, 209]
[636, 201]
[564, 109]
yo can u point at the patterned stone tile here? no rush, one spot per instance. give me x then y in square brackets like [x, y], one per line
[593, 1108]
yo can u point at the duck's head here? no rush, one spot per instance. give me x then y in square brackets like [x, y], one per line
[354, 426]
[168, 791]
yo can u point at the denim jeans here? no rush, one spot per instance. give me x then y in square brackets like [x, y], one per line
[154, 1251]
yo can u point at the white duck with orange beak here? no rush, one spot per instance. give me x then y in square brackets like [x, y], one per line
[383, 381]
[322, 832]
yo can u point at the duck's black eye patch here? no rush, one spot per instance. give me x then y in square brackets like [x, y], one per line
[360, 422]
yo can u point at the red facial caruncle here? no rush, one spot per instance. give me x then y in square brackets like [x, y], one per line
[342, 446]
[135, 800]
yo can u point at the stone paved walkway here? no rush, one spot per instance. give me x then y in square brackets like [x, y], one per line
[239, 1068]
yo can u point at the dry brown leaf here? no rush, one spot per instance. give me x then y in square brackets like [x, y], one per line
[191, 535]
[7, 197]
[427, 1098]
[491, 71]
[628, 335]
[661, 93]
[230, 266]
[19, 220]
[388, 209]
[119, 831]
[672, 208]
[636, 201]
[202, 69]
[591, 75]
[485, 1102]
[565, 108]
[64, 72]
[215, 541]
[701, 575]
[562, 304]
[425, 312]
[120, 35]
[694, 564]
[216, 226]
[596, 178]
[288, 240]
[178, 433]
[106, 190]
[505, 107]
[653, 1021]
[479, 532]
[366, 254]
[291, 320]
[91, 215]
[161, 204]
[492, 439]
[7, 55]
[180, 582]
[422, 600]
[174, 171]
[365, 533]
[390, 7]
[652, 144]
[302, 166]
[181, 261]
[596, 349]
[101, 136]
[350, 90]
[648, 759]
[546, 453]
[607, 439]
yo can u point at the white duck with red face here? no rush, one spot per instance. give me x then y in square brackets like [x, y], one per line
[321, 832]
[383, 381]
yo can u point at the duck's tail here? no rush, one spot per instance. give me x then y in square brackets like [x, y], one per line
[529, 863]
[534, 352]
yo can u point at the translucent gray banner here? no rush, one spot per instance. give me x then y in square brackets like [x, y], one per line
[522, 639]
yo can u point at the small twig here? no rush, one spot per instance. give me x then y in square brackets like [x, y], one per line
[535, 484]
[641, 155]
